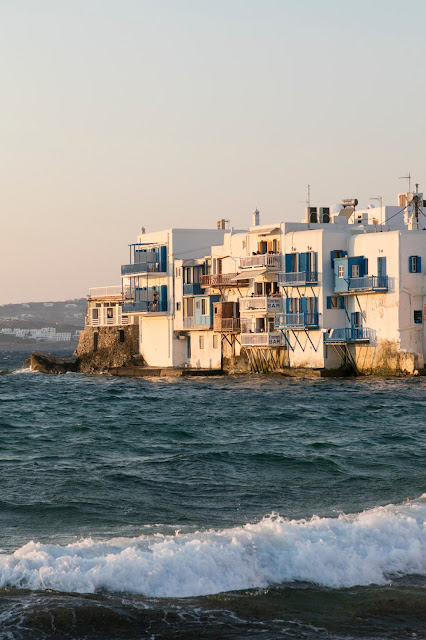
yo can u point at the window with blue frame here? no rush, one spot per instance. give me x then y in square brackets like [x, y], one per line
[415, 264]
[301, 262]
[335, 302]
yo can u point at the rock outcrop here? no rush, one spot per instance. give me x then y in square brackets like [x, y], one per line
[46, 363]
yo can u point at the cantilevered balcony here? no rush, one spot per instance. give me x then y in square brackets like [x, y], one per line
[373, 284]
[223, 280]
[202, 322]
[267, 339]
[347, 335]
[298, 278]
[272, 261]
[296, 321]
[143, 267]
[145, 307]
[194, 289]
[261, 303]
[226, 325]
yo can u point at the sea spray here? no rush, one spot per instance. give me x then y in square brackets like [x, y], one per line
[368, 548]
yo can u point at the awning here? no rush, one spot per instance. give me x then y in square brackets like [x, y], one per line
[264, 231]
[250, 274]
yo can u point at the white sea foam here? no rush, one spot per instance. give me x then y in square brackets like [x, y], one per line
[23, 370]
[335, 552]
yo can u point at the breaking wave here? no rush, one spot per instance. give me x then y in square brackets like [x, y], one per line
[362, 549]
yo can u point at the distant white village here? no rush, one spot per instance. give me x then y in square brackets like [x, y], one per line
[47, 334]
[343, 289]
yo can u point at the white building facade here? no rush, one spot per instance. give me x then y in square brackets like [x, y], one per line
[345, 288]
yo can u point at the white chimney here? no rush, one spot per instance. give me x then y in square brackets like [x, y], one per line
[256, 218]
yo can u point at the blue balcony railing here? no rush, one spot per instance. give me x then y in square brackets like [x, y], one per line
[194, 289]
[369, 283]
[298, 278]
[145, 307]
[348, 334]
[143, 267]
[296, 321]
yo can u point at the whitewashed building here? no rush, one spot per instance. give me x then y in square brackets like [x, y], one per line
[154, 282]
[342, 288]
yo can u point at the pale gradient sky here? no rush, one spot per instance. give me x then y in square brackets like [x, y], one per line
[117, 114]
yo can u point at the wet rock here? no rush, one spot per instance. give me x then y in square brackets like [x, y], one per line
[50, 364]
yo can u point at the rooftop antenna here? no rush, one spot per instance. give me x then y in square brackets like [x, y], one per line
[406, 178]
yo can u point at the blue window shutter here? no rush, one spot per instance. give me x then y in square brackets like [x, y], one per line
[288, 262]
[332, 256]
[287, 304]
[365, 267]
[410, 264]
[340, 302]
[302, 305]
[419, 264]
[303, 261]
[329, 302]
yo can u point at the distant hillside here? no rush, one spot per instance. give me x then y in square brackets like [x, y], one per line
[47, 314]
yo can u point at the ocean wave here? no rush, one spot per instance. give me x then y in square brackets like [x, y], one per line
[23, 370]
[348, 550]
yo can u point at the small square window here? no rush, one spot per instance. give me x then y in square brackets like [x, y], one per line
[341, 271]
[355, 271]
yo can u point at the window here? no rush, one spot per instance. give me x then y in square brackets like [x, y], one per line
[355, 271]
[122, 337]
[335, 302]
[415, 264]
[201, 341]
[110, 313]
[215, 341]
[197, 304]
[95, 314]
[177, 272]
[95, 341]
[187, 275]
[178, 306]
[204, 307]
[341, 273]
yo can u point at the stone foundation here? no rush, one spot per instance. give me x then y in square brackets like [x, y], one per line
[387, 358]
[104, 348]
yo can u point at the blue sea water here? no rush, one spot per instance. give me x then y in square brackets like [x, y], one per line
[235, 507]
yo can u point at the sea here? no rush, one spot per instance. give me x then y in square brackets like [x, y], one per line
[250, 507]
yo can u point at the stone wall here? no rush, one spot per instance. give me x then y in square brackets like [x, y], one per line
[116, 346]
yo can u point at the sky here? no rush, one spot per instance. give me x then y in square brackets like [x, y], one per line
[118, 114]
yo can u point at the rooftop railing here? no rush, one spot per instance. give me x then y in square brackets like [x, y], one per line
[296, 321]
[263, 260]
[298, 278]
[105, 292]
